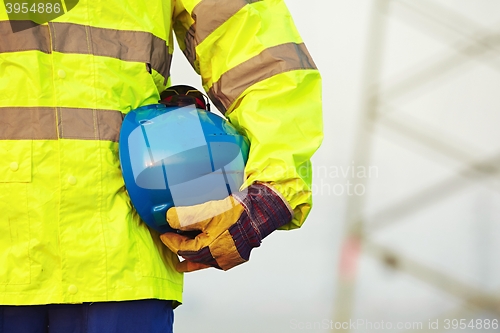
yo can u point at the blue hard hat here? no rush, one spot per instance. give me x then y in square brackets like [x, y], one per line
[178, 156]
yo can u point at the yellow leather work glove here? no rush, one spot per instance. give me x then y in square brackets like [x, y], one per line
[229, 228]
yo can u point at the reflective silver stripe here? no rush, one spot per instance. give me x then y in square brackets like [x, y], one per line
[27, 123]
[43, 123]
[87, 124]
[272, 61]
[189, 40]
[220, 12]
[121, 44]
[35, 38]
[125, 45]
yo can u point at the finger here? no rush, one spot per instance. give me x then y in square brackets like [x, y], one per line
[198, 217]
[189, 266]
[176, 242]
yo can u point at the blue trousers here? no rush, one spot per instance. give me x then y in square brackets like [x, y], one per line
[144, 316]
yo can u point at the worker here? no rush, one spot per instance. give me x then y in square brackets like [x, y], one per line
[75, 256]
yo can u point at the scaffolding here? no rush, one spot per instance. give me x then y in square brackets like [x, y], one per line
[470, 42]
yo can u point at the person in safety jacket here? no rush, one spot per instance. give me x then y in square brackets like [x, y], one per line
[71, 245]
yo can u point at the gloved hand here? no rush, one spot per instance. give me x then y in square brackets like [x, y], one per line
[230, 228]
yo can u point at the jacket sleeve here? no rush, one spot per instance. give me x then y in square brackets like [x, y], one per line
[258, 72]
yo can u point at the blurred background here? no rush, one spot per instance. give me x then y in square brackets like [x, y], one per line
[404, 233]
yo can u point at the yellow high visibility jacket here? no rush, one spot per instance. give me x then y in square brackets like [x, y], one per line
[68, 232]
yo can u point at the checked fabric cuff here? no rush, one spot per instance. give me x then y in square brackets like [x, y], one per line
[265, 211]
